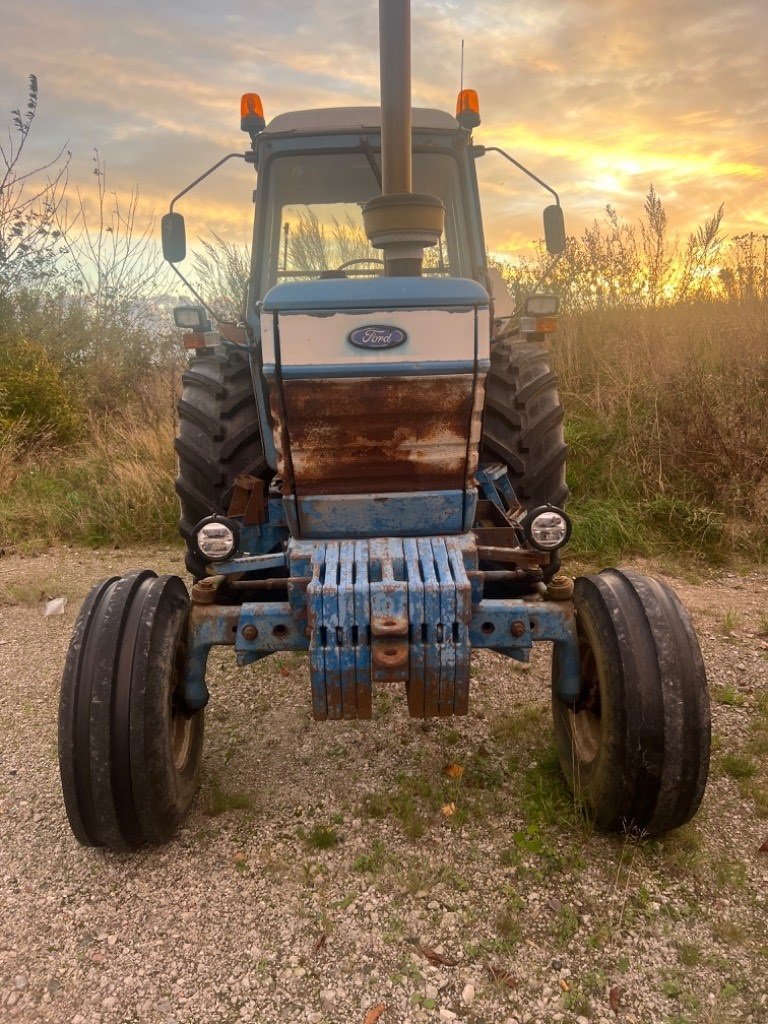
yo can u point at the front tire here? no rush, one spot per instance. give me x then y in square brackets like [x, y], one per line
[635, 751]
[129, 758]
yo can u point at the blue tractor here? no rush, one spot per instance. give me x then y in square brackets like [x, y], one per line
[372, 471]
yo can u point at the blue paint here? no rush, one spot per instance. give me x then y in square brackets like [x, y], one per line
[263, 539]
[376, 293]
[416, 686]
[493, 481]
[368, 598]
[430, 634]
[405, 514]
[493, 621]
[209, 628]
[374, 368]
[278, 628]
[251, 563]
[354, 585]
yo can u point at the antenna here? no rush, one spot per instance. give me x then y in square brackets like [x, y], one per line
[462, 67]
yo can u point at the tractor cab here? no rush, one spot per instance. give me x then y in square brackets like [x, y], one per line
[316, 171]
[373, 385]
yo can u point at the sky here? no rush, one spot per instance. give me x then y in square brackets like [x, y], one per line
[601, 99]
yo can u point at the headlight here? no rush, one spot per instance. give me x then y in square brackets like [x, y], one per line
[547, 528]
[191, 318]
[541, 305]
[217, 539]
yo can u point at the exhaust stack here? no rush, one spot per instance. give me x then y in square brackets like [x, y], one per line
[396, 117]
[399, 221]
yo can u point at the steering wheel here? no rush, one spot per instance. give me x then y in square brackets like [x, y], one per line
[353, 263]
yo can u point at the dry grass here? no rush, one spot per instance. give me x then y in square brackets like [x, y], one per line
[665, 411]
[116, 487]
[665, 417]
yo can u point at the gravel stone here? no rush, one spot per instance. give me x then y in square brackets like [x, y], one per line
[187, 932]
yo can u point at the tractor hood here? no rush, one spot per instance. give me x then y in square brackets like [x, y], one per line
[376, 393]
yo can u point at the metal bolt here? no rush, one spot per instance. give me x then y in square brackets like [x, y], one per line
[518, 628]
[249, 632]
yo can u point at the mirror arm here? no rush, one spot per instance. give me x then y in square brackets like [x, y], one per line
[554, 260]
[230, 156]
[174, 268]
[482, 150]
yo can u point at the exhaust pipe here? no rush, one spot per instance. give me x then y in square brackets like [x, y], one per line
[399, 222]
[396, 116]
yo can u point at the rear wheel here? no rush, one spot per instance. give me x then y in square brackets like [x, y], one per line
[129, 758]
[635, 751]
[523, 423]
[219, 439]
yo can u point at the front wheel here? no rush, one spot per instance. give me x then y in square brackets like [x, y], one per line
[635, 750]
[129, 757]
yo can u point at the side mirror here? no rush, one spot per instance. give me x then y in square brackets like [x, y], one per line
[554, 230]
[174, 235]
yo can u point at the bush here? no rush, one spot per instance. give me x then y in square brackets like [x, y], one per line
[34, 400]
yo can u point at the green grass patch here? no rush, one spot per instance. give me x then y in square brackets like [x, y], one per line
[372, 862]
[218, 800]
[689, 954]
[322, 837]
[419, 802]
[508, 921]
[729, 696]
[546, 798]
[729, 621]
[737, 766]
[565, 925]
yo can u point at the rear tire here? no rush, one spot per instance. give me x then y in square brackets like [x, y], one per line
[219, 439]
[523, 424]
[128, 757]
[635, 752]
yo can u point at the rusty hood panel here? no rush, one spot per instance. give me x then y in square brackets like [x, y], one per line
[358, 435]
[377, 387]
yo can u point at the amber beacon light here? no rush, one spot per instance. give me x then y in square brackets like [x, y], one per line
[468, 109]
[252, 113]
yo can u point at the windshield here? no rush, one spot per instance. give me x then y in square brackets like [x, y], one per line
[314, 220]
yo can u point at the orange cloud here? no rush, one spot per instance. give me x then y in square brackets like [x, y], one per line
[601, 100]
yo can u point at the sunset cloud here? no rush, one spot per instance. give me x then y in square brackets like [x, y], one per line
[599, 99]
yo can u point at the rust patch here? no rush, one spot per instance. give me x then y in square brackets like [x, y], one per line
[248, 500]
[377, 434]
[475, 431]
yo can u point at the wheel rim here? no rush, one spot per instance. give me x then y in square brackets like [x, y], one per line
[586, 723]
[180, 725]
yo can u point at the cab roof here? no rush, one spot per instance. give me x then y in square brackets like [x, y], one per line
[337, 119]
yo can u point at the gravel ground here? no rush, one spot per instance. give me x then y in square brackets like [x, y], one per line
[327, 869]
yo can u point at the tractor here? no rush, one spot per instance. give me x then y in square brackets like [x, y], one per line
[372, 471]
